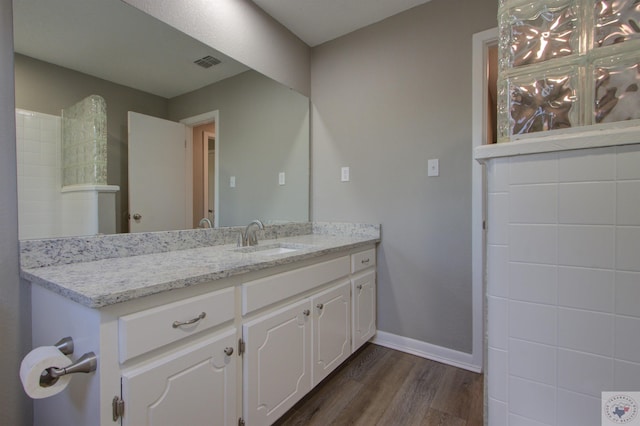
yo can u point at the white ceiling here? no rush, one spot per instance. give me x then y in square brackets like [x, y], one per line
[111, 40]
[114, 41]
[318, 21]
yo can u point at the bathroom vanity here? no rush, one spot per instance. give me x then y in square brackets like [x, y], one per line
[213, 335]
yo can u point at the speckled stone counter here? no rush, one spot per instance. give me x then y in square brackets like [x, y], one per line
[104, 270]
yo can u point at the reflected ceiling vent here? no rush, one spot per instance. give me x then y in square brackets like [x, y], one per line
[207, 62]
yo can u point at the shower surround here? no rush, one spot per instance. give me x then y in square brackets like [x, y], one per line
[62, 185]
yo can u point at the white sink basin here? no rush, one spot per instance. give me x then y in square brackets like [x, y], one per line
[274, 251]
[271, 249]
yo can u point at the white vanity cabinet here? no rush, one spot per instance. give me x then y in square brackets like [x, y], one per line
[331, 329]
[277, 362]
[243, 347]
[195, 386]
[290, 350]
[197, 381]
[363, 296]
[297, 328]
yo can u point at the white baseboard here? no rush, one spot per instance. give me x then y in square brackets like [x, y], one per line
[427, 350]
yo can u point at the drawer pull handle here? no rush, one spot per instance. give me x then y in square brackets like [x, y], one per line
[177, 324]
[319, 306]
[364, 261]
[359, 286]
[306, 312]
[228, 351]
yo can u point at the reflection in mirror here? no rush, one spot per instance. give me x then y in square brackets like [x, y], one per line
[255, 130]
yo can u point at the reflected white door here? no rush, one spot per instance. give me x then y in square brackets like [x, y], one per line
[159, 191]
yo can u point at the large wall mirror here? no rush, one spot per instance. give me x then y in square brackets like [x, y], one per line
[243, 142]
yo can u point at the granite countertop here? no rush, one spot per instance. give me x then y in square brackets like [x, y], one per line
[108, 281]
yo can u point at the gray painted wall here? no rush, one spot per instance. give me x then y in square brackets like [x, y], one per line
[386, 99]
[240, 29]
[263, 129]
[48, 88]
[15, 312]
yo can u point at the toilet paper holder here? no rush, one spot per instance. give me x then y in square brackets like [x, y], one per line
[85, 364]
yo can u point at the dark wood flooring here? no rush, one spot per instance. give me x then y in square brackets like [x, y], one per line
[381, 386]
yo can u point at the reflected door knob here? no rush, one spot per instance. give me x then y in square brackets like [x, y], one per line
[137, 216]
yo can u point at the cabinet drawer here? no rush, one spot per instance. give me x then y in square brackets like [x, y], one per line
[362, 260]
[147, 330]
[266, 291]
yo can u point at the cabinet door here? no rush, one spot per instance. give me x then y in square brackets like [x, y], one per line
[331, 329]
[194, 386]
[277, 362]
[364, 308]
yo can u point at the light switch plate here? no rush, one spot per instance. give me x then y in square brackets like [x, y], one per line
[433, 167]
[281, 178]
[232, 182]
[344, 174]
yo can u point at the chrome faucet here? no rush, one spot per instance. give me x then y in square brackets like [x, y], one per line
[249, 237]
[205, 221]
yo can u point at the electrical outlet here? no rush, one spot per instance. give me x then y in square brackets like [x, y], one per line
[232, 182]
[281, 178]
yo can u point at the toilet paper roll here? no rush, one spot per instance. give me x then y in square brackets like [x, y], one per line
[35, 363]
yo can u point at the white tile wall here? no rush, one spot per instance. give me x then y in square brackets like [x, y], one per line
[628, 248]
[39, 199]
[588, 246]
[576, 206]
[628, 200]
[627, 293]
[532, 400]
[533, 243]
[563, 277]
[587, 165]
[497, 412]
[498, 382]
[578, 409]
[627, 343]
[533, 322]
[499, 270]
[497, 319]
[532, 360]
[498, 219]
[533, 282]
[584, 372]
[585, 331]
[533, 169]
[515, 420]
[533, 204]
[626, 375]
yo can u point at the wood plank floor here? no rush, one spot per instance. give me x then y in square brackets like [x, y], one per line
[381, 386]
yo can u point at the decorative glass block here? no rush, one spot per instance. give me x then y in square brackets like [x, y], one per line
[616, 21]
[538, 31]
[84, 142]
[504, 122]
[616, 88]
[546, 100]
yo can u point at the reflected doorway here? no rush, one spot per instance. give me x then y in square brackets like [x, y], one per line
[201, 135]
[209, 156]
[205, 142]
